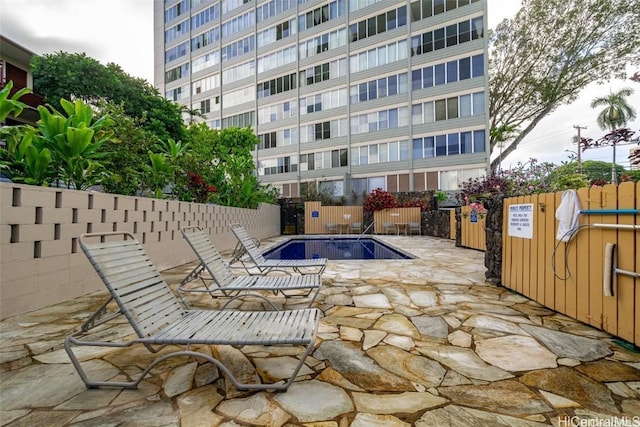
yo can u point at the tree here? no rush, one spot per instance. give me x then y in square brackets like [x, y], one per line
[617, 112]
[127, 152]
[551, 50]
[77, 76]
[501, 135]
[238, 185]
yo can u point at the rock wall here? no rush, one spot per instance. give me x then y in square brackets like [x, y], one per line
[436, 223]
[493, 228]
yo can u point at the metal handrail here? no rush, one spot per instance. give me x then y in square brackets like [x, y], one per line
[365, 230]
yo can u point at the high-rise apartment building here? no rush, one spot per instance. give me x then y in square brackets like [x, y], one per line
[350, 94]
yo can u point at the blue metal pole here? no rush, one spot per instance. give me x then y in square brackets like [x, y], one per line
[610, 211]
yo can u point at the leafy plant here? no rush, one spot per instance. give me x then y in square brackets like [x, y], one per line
[378, 200]
[126, 152]
[198, 189]
[22, 160]
[11, 105]
[75, 142]
[161, 172]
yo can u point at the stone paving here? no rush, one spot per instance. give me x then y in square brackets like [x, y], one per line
[423, 342]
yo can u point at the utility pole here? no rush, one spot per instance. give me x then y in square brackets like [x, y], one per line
[579, 150]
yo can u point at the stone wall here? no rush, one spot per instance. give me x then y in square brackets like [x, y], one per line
[437, 223]
[493, 228]
[41, 262]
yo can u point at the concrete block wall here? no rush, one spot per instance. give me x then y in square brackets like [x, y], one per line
[41, 262]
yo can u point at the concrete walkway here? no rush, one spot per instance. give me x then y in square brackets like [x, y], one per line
[421, 342]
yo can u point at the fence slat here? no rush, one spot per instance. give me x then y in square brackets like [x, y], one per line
[580, 270]
[559, 270]
[637, 268]
[596, 254]
[526, 260]
[539, 229]
[609, 304]
[518, 259]
[533, 251]
[549, 239]
[626, 249]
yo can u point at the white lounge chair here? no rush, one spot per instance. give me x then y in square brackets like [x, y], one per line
[158, 319]
[414, 227]
[228, 284]
[257, 260]
[388, 227]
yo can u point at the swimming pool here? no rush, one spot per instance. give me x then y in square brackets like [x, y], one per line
[334, 248]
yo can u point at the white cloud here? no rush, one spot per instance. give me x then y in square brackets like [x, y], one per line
[119, 31]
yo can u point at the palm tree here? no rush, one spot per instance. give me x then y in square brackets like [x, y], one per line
[616, 114]
[500, 135]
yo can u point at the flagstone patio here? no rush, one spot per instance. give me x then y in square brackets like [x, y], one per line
[422, 342]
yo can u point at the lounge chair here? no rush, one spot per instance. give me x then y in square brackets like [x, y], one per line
[414, 227]
[356, 227]
[257, 260]
[158, 319]
[332, 227]
[388, 227]
[228, 284]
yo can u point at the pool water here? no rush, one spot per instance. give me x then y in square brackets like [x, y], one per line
[334, 248]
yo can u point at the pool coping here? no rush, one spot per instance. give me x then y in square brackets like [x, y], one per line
[281, 240]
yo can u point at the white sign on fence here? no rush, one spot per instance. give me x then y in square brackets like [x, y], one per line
[521, 220]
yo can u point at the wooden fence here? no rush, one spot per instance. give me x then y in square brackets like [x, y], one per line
[568, 277]
[317, 216]
[400, 217]
[472, 229]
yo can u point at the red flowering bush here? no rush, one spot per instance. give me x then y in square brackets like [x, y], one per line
[199, 189]
[378, 200]
[416, 202]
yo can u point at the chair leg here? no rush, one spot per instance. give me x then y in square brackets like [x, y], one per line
[134, 384]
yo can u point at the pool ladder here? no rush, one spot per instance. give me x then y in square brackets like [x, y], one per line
[365, 230]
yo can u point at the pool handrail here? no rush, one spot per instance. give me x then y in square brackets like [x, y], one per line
[365, 230]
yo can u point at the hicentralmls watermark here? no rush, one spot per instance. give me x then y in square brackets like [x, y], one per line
[576, 421]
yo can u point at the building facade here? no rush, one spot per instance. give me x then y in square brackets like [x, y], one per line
[350, 95]
[14, 67]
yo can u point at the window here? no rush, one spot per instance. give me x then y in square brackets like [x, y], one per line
[452, 35]
[478, 103]
[448, 36]
[440, 77]
[378, 24]
[466, 142]
[478, 141]
[465, 106]
[452, 108]
[477, 65]
[441, 110]
[372, 58]
[452, 71]
[464, 31]
[453, 144]
[477, 28]
[429, 147]
[275, 86]
[464, 67]
[441, 145]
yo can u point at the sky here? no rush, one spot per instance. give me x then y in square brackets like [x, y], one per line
[121, 31]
